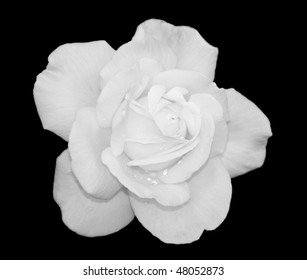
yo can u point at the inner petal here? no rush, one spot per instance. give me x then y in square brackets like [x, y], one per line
[156, 144]
[145, 184]
[176, 94]
[165, 157]
[192, 161]
[154, 95]
[144, 137]
[170, 124]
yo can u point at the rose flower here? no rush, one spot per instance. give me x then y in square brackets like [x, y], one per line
[149, 133]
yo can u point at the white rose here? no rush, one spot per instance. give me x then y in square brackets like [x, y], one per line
[150, 135]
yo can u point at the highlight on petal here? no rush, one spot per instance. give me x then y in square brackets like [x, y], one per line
[86, 142]
[192, 51]
[71, 81]
[249, 130]
[193, 160]
[84, 214]
[145, 184]
[141, 53]
[193, 81]
[210, 192]
[125, 84]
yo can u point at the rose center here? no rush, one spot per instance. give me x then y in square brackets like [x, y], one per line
[170, 124]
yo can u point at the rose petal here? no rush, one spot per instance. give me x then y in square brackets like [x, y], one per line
[193, 52]
[193, 81]
[150, 67]
[192, 121]
[176, 94]
[168, 121]
[108, 72]
[71, 81]
[86, 142]
[154, 95]
[139, 109]
[142, 183]
[206, 209]
[123, 84]
[142, 128]
[134, 52]
[154, 140]
[206, 103]
[119, 124]
[220, 95]
[220, 139]
[193, 160]
[140, 147]
[120, 114]
[174, 153]
[162, 105]
[249, 130]
[118, 138]
[83, 214]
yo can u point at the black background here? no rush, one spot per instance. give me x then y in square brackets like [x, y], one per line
[265, 220]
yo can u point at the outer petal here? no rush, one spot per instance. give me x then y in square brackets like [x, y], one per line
[86, 142]
[249, 130]
[71, 81]
[193, 52]
[83, 214]
[206, 209]
[143, 184]
[159, 55]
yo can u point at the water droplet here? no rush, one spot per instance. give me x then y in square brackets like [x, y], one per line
[165, 172]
